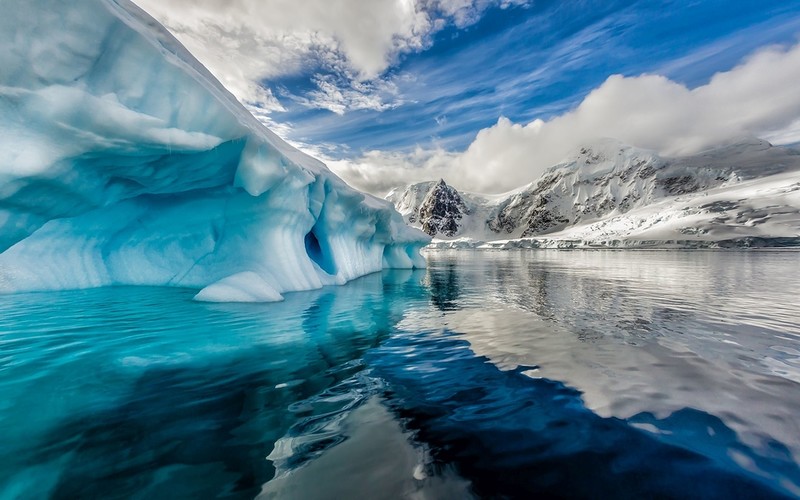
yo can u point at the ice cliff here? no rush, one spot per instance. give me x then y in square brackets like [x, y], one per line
[123, 161]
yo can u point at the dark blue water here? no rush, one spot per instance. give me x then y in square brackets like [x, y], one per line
[490, 374]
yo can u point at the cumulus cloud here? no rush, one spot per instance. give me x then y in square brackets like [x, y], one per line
[244, 42]
[757, 98]
[378, 172]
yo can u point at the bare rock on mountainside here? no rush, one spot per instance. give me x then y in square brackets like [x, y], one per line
[434, 207]
[611, 192]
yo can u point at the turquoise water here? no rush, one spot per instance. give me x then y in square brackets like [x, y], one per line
[490, 374]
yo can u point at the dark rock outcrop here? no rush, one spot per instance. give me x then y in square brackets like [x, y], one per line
[441, 210]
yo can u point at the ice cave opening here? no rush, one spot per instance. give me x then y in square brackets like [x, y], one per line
[319, 253]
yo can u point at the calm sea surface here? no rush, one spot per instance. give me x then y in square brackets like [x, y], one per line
[616, 374]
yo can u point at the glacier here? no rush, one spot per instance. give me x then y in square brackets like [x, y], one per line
[123, 161]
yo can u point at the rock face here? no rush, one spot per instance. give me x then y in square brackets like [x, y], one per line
[607, 181]
[441, 210]
[434, 207]
[603, 179]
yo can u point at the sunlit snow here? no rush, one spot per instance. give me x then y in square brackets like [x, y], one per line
[126, 162]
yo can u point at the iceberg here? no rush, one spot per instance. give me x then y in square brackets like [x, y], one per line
[123, 161]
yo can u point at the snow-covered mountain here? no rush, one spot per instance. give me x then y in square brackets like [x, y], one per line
[433, 206]
[747, 192]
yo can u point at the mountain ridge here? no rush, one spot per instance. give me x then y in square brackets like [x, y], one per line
[606, 193]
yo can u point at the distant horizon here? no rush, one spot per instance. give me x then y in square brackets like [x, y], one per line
[495, 91]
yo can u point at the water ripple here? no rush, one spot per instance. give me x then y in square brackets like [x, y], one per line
[515, 374]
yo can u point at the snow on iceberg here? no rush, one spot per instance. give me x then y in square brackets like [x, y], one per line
[123, 161]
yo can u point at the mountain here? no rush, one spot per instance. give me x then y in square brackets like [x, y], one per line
[437, 207]
[743, 193]
[123, 161]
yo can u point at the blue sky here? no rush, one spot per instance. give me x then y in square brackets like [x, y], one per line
[536, 62]
[396, 91]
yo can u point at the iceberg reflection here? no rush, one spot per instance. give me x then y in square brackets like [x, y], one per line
[500, 374]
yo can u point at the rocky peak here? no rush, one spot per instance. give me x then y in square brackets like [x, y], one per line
[441, 210]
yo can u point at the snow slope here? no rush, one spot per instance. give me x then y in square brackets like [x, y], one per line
[123, 161]
[742, 194]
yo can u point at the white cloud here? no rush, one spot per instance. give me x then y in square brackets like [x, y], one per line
[467, 12]
[377, 172]
[759, 97]
[789, 135]
[340, 96]
[244, 42]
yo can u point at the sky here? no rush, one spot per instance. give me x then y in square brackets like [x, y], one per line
[489, 93]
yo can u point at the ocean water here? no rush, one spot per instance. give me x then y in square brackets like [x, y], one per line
[520, 374]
